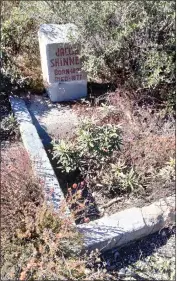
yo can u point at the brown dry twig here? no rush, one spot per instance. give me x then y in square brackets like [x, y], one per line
[115, 200]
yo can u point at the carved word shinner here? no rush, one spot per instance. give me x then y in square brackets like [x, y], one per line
[60, 61]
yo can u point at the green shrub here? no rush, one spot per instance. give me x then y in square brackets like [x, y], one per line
[9, 122]
[129, 43]
[118, 178]
[99, 141]
[9, 129]
[66, 154]
[168, 171]
[20, 49]
[94, 151]
[93, 145]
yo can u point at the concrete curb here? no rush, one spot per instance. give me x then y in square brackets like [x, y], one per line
[40, 161]
[107, 232]
[129, 225]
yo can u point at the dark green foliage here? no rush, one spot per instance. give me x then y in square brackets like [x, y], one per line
[92, 146]
[129, 43]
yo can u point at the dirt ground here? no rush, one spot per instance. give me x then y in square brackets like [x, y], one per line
[53, 120]
[131, 200]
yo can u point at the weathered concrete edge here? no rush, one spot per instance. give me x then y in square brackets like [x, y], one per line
[127, 226]
[20, 110]
[38, 156]
[107, 232]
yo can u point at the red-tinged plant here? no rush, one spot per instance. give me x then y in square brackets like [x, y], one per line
[21, 192]
[36, 240]
[81, 203]
[149, 154]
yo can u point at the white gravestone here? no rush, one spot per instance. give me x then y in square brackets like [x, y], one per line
[62, 71]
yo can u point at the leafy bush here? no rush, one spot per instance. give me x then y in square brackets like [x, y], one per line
[9, 126]
[93, 145]
[131, 44]
[99, 140]
[95, 151]
[168, 172]
[20, 50]
[67, 155]
[148, 135]
[118, 178]
[8, 123]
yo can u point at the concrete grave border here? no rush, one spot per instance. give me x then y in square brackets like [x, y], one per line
[40, 161]
[108, 232]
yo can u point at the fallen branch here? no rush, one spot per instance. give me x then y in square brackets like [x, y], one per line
[115, 200]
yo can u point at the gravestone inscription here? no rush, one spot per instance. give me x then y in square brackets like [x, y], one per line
[62, 70]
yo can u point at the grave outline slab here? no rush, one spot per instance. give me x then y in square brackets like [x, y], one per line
[107, 232]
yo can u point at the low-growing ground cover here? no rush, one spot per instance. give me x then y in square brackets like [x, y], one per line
[122, 152]
[115, 265]
[133, 45]
[37, 245]
[36, 242]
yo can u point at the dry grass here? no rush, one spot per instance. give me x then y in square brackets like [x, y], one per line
[21, 192]
[148, 132]
[36, 242]
[150, 153]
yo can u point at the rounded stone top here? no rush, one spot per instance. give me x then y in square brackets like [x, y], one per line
[57, 33]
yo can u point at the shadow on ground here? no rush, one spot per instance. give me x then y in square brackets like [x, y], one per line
[67, 179]
[97, 93]
[139, 250]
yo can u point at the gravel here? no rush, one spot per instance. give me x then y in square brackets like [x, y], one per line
[52, 120]
[152, 258]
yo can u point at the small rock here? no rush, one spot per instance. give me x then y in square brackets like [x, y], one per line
[128, 272]
[101, 211]
[87, 271]
[121, 272]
